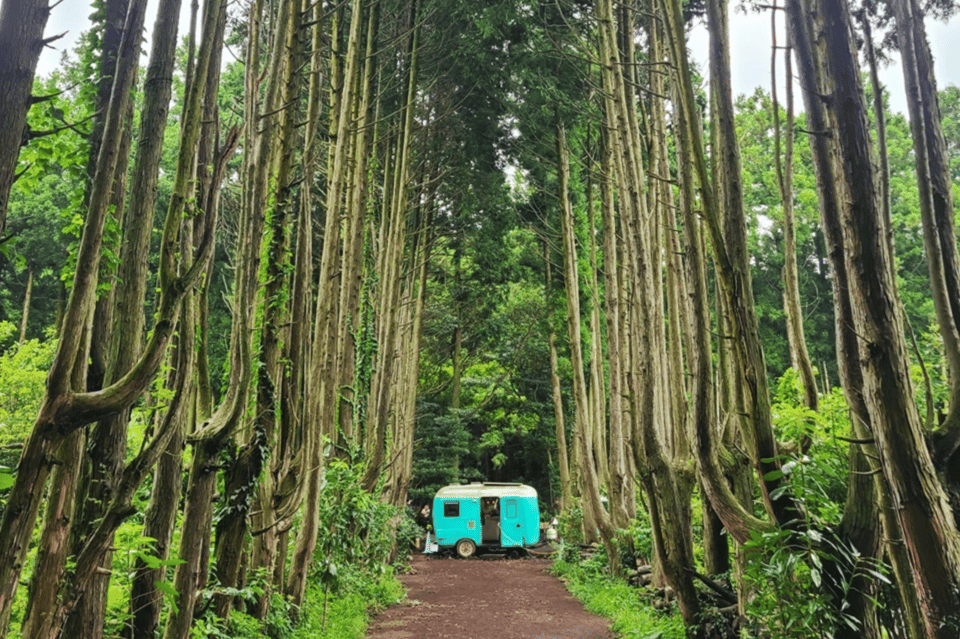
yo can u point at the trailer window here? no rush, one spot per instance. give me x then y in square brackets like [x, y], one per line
[451, 509]
[511, 509]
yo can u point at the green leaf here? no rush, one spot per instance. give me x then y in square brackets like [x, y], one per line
[6, 480]
[773, 475]
[151, 562]
[170, 593]
[114, 595]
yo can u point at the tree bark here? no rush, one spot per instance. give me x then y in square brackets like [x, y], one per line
[929, 530]
[321, 385]
[21, 41]
[55, 537]
[25, 315]
[60, 412]
[936, 208]
[738, 519]
[242, 482]
[584, 415]
[799, 356]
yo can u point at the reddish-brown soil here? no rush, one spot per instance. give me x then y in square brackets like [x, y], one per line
[486, 598]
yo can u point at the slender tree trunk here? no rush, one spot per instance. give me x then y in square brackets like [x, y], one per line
[622, 486]
[936, 208]
[799, 356]
[392, 247]
[321, 385]
[242, 482]
[25, 315]
[737, 518]
[55, 547]
[296, 450]
[352, 279]
[584, 415]
[563, 464]
[275, 317]
[401, 471]
[20, 514]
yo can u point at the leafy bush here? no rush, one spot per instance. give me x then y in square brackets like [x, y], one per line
[787, 577]
[361, 531]
[570, 525]
[641, 536]
[787, 569]
[23, 374]
[819, 477]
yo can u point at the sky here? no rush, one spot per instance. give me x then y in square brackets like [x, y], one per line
[750, 56]
[749, 48]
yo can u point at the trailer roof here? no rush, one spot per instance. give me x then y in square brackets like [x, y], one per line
[487, 489]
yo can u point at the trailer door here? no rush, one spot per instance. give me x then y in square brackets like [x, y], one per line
[511, 522]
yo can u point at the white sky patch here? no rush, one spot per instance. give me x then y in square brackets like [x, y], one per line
[750, 41]
[73, 17]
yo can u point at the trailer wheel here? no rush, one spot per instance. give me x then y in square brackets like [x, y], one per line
[466, 548]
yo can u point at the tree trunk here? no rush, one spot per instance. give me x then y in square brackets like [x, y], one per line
[25, 315]
[592, 507]
[734, 277]
[401, 470]
[621, 481]
[799, 356]
[55, 536]
[563, 464]
[21, 41]
[57, 417]
[321, 385]
[242, 482]
[393, 240]
[929, 531]
[936, 208]
[296, 450]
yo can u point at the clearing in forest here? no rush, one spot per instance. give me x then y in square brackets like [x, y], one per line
[486, 598]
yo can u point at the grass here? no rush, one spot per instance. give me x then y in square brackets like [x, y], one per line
[349, 611]
[631, 616]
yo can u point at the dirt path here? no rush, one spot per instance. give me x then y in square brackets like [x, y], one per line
[486, 598]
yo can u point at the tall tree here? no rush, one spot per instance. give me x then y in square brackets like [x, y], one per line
[799, 355]
[66, 408]
[21, 42]
[919, 498]
[936, 206]
[321, 384]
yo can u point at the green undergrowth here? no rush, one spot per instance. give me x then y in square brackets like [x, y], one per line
[632, 617]
[347, 612]
[343, 614]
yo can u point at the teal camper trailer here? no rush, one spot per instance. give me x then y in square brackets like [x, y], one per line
[468, 518]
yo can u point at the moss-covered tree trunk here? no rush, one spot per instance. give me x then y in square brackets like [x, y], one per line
[65, 407]
[322, 385]
[583, 427]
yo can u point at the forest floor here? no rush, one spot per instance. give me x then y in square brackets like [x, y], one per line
[487, 597]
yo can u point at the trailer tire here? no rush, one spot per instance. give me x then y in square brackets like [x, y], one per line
[466, 548]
